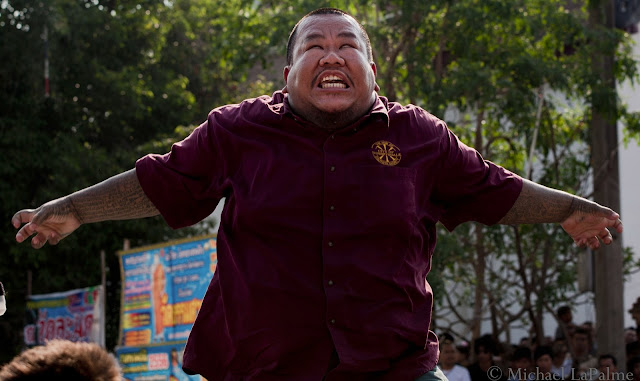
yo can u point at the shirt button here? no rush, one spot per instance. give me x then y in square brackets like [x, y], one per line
[332, 321]
[330, 243]
[330, 283]
[333, 136]
[332, 207]
[332, 169]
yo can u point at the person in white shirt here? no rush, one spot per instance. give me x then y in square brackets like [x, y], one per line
[561, 360]
[448, 357]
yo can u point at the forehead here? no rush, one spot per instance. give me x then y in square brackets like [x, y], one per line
[327, 25]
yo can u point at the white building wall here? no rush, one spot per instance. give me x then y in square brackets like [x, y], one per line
[630, 191]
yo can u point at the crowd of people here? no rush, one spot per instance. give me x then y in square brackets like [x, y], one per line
[571, 354]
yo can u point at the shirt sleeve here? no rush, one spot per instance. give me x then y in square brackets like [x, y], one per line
[186, 184]
[471, 188]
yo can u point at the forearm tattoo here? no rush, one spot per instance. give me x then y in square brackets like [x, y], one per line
[539, 204]
[118, 198]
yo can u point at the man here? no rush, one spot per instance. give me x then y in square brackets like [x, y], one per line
[633, 366]
[608, 368]
[485, 349]
[448, 362]
[583, 360]
[561, 359]
[565, 323]
[62, 360]
[332, 198]
[542, 357]
[521, 367]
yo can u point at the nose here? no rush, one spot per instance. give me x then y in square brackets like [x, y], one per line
[331, 58]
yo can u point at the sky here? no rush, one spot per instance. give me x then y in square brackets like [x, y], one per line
[630, 192]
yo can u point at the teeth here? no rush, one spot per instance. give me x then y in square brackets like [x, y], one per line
[331, 78]
[328, 82]
[333, 85]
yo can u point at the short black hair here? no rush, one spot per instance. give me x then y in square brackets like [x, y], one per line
[608, 356]
[487, 343]
[582, 331]
[521, 353]
[446, 336]
[325, 11]
[541, 351]
[563, 310]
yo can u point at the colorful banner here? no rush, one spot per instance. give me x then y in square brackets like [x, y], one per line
[155, 363]
[74, 315]
[162, 290]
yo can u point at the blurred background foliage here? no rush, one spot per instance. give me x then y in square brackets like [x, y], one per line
[128, 77]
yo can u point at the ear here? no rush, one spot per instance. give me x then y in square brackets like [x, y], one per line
[375, 75]
[285, 74]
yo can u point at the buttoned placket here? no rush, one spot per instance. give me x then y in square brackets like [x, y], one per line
[333, 196]
[332, 171]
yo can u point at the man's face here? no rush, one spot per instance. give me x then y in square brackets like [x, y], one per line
[330, 72]
[521, 363]
[544, 363]
[607, 368]
[483, 354]
[448, 355]
[630, 336]
[636, 370]
[605, 365]
[580, 343]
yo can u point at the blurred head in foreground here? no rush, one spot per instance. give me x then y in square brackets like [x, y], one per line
[63, 360]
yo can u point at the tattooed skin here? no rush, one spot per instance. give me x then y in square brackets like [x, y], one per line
[118, 198]
[539, 204]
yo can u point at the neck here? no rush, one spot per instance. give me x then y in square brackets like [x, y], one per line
[446, 366]
[330, 121]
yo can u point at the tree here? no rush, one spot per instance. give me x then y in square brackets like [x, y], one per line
[129, 77]
[117, 84]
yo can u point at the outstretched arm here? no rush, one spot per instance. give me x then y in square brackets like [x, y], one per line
[585, 221]
[118, 198]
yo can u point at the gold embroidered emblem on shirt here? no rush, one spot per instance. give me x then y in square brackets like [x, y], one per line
[386, 153]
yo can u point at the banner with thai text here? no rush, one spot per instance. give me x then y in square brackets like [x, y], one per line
[75, 315]
[162, 290]
[154, 363]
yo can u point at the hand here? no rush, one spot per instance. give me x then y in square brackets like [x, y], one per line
[50, 222]
[590, 224]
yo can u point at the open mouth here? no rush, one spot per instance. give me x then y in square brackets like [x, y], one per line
[332, 82]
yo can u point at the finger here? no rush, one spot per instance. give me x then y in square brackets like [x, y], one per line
[593, 243]
[605, 236]
[22, 217]
[54, 239]
[613, 215]
[27, 231]
[38, 241]
[618, 226]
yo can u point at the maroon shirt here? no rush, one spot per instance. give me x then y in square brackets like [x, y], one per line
[325, 239]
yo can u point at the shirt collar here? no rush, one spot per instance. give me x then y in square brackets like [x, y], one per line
[379, 109]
